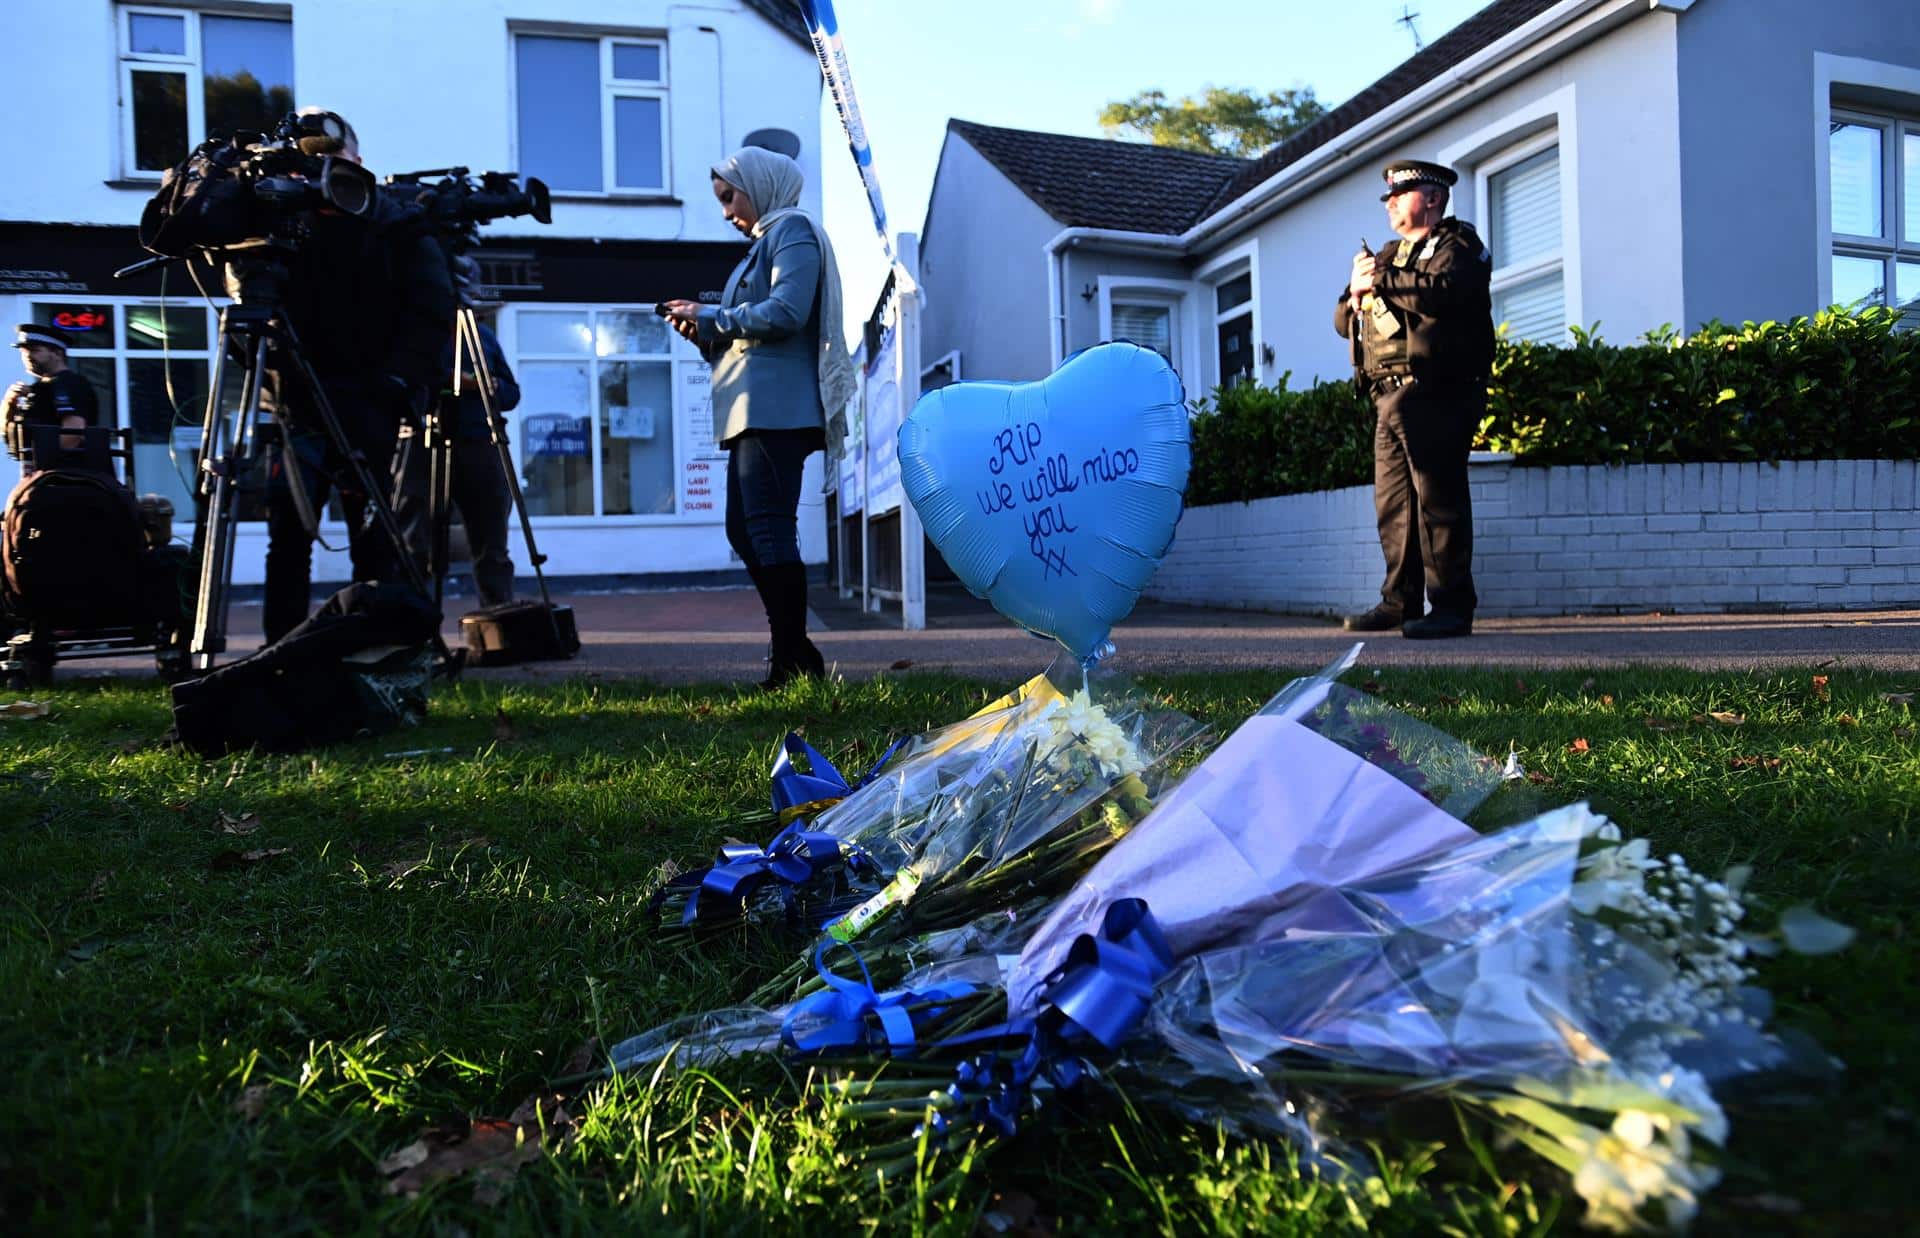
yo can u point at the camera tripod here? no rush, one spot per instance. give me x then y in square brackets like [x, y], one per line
[469, 354]
[256, 273]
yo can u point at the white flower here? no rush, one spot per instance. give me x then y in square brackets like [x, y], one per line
[1612, 877]
[1641, 1160]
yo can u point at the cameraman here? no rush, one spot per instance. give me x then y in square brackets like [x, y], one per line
[370, 300]
[57, 396]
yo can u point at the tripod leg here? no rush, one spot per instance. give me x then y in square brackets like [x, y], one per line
[225, 450]
[471, 344]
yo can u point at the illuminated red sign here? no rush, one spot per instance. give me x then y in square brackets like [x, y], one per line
[80, 320]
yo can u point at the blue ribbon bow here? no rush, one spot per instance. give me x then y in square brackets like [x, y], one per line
[1100, 993]
[798, 793]
[851, 1015]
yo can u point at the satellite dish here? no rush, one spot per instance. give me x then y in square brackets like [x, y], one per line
[780, 141]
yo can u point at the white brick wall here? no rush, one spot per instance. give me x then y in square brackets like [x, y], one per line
[1810, 534]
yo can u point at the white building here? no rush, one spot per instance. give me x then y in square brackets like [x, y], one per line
[1630, 162]
[620, 108]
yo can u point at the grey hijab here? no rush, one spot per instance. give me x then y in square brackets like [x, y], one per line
[772, 182]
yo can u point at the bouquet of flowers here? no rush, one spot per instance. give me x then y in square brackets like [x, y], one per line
[1298, 931]
[997, 808]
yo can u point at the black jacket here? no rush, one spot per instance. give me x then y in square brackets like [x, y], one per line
[470, 417]
[1440, 295]
[371, 299]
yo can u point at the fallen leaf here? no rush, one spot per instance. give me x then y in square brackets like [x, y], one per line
[1606, 698]
[406, 1158]
[239, 859]
[581, 1060]
[1846, 720]
[1753, 763]
[1371, 687]
[81, 951]
[1725, 717]
[1449, 701]
[901, 664]
[1520, 686]
[1014, 1214]
[702, 709]
[1538, 779]
[1579, 745]
[1820, 687]
[502, 724]
[1897, 698]
[488, 1147]
[242, 825]
[252, 1101]
[23, 710]
[1661, 724]
[399, 868]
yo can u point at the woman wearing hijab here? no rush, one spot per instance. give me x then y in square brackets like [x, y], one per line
[780, 371]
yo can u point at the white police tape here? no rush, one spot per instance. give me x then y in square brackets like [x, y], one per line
[824, 29]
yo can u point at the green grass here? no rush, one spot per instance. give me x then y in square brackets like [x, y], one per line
[445, 930]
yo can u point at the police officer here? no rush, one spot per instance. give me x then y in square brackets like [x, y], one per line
[1419, 316]
[371, 300]
[57, 396]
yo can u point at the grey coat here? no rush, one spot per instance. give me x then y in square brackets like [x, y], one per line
[764, 344]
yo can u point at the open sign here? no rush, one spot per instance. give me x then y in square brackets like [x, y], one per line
[80, 320]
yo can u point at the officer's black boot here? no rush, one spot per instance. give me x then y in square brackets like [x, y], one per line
[1438, 626]
[1382, 618]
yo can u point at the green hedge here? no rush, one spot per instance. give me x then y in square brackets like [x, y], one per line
[1841, 385]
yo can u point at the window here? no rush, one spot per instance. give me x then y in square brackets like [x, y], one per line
[595, 428]
[1523, 231]
[1874, 200]
[1150, 326]
[187, 75]
[593, 113]
[148, 365]
[1233, 328]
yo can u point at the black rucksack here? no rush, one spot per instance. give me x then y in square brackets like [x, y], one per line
[360, 666]
[72, 544]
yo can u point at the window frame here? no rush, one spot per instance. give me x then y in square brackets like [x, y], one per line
[118, 351]
[1174, 294]
[678, 354]
[1223, 268]
[191, 66]
[1504, 278]
[1893, 245]
[611, 89]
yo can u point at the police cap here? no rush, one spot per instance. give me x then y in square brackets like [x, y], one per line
[1403, 174]
[30, 333]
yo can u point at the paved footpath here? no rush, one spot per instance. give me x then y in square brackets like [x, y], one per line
[720, 635]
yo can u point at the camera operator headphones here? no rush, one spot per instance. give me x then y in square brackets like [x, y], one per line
[325, 133]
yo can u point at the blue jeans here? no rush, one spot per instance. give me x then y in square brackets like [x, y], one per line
[763, 494]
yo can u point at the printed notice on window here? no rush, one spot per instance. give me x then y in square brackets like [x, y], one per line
[703, 475]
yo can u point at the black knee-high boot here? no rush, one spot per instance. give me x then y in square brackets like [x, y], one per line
[793, 654]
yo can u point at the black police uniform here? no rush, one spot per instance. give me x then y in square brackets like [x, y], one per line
[1423, 346]
[47, 401]
[479, 485]
[371, 301]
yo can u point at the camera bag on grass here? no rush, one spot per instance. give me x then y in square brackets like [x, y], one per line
[525, 631]
[360, 666]
[72, 548]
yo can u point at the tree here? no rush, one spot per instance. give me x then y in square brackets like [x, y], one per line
[1218, 121]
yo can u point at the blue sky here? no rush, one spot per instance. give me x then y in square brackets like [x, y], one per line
[1051, 65]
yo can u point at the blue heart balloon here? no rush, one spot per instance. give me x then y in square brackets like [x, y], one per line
[1054, 500]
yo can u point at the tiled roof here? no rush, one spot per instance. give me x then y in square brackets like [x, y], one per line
[1099, 183]
[1480, 31]
[785, 15]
